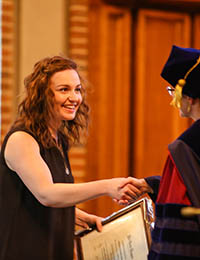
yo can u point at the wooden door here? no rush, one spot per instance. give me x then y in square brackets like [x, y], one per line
[109, 74]
[155, 122]
[196, 31]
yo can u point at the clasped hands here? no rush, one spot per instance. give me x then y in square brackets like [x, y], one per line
[130, 189]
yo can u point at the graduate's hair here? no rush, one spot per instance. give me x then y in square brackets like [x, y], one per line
[36, 109]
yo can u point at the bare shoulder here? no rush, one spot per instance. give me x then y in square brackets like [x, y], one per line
[21, 139]
[20, 145]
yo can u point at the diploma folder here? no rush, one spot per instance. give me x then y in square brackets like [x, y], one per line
[125, 236]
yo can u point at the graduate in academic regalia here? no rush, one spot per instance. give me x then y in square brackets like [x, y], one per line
[175, 236]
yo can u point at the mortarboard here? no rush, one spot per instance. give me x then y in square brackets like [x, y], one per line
[182, 71]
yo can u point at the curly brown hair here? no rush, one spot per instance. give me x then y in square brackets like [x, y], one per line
[36, 109]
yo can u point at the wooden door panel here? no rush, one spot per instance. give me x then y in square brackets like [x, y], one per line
[196, 31]
[114, 93]
[156, 123]
[108, 143]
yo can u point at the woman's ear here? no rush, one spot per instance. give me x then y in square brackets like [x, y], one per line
[191, 100]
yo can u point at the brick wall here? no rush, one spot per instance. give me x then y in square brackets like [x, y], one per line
[8, 65]
[78, 51]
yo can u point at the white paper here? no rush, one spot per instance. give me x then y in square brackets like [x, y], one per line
[121, 239]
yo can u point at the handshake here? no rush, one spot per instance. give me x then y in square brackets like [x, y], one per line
[127, 190]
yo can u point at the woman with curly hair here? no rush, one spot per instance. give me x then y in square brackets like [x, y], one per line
[37, 190]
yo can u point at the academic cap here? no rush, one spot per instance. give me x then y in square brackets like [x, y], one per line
[183, 64]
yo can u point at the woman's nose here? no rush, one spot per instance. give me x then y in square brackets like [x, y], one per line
[73, 96]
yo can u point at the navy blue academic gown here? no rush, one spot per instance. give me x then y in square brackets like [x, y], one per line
[175, 236]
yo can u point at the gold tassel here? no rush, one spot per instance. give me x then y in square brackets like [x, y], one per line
[176, 102]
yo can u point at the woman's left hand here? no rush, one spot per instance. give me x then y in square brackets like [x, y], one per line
[86, 220]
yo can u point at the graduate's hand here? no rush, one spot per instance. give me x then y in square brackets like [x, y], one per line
[123, 189]
[141, 187]
[86, 220]
[95, 220]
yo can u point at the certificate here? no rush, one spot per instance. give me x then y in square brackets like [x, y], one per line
[125, 236]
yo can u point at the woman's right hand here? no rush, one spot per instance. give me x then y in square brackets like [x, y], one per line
[139, 184]
[125, 189]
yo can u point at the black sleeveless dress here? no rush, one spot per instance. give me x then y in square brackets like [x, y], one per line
[29, 230]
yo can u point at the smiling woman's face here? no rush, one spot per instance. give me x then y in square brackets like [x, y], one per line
[66, 87]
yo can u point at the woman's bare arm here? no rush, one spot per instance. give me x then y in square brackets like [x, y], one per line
[22, 155]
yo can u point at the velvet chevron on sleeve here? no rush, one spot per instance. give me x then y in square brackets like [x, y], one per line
[153, 182]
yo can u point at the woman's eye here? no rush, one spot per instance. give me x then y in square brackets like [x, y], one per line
[78, 89]
[63, 89]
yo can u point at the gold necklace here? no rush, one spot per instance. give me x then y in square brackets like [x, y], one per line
[60, 148]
